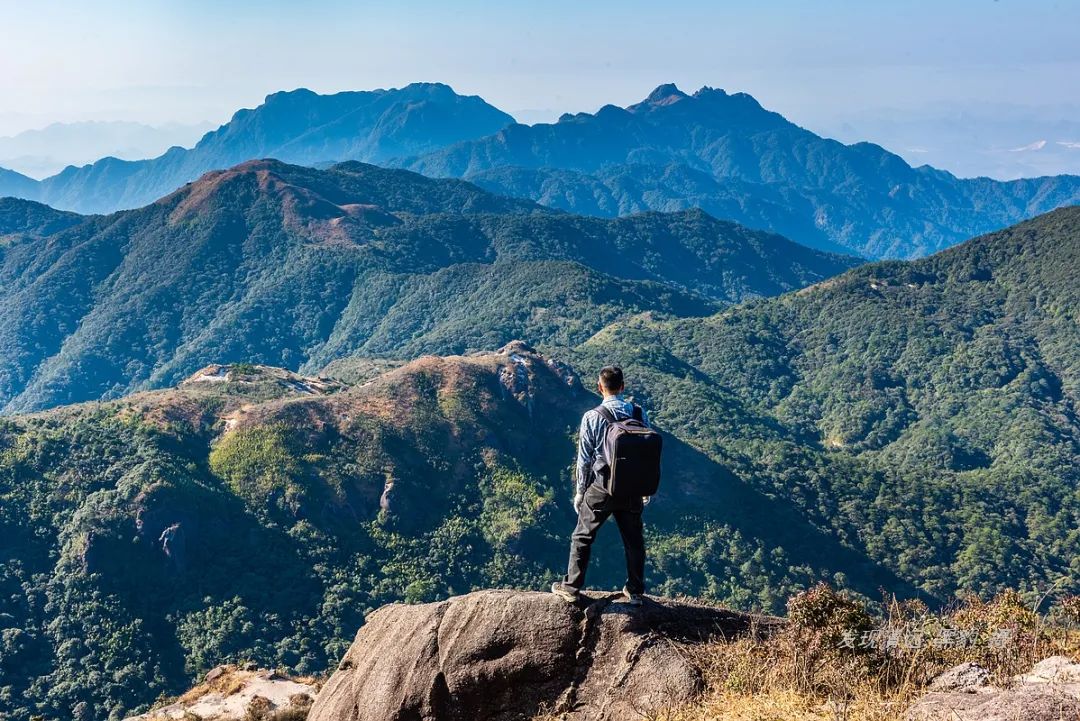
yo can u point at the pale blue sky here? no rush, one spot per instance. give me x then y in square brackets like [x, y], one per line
[160, 61]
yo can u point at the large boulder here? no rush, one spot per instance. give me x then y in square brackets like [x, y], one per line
[506, 655]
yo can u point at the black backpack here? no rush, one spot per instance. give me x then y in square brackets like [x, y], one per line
[628, 461]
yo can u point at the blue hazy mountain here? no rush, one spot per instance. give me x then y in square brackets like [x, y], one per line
[297, 127]
[727, 154]
[46, 151]
[723, 153]
[17, 185]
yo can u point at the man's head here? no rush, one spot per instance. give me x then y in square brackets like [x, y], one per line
[611, 381]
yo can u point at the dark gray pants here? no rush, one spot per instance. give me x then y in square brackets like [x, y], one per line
[595, 508]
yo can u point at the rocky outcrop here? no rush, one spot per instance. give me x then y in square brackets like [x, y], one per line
[505, 655]
[1049, 692]
[230, 692]
[965, 677]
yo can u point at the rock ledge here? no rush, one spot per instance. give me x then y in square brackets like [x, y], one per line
[502, 655]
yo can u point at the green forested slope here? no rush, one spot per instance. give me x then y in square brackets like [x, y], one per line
[29, 218]
[254, 514]
[292, 266]
[925, 411]
[910, 427]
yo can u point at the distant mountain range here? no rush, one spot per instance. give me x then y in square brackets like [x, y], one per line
[712, 150]
[294, 266]
[728, 155]
[47, 151]
[296, 127]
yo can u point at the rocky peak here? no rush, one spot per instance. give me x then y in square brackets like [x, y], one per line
[241, 376]
[707, 92]
[666, 94]
[662, 97]
[517, 347]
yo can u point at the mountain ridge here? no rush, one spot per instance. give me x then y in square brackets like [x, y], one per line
[292, 266]
[298, 126]
[719, 151]
[15, 184]
[857, 196]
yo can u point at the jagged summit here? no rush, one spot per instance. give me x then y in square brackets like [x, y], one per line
[726, 153]
[666, 94]
[732, 108]
[706, 91]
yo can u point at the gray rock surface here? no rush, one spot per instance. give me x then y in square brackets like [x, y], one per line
[1056, 669]
[230, 692]
[1049, 692]
[964, 677]
[506, 655]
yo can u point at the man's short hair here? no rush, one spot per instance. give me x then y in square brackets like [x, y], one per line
[611, 378]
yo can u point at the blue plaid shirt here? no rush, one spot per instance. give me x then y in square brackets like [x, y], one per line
[591, 435]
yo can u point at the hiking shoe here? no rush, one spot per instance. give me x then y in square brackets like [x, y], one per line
[632, 599]
[566, 593]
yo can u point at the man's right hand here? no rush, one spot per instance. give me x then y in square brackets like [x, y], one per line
[577, 502]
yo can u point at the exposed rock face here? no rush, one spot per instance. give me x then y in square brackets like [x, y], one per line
[1049, 692]
[505, 655]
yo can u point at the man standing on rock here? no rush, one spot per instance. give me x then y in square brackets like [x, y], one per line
[618, 469]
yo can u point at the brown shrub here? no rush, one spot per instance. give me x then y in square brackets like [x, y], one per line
[1068, 608]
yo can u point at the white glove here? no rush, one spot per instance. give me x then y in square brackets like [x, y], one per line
[577, 502]
[645, 500]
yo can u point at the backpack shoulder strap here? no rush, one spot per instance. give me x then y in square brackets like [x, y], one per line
[638, 415]
[606, 413]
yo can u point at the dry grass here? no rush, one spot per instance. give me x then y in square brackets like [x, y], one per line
[786, 705]
[230, 682]
[808, 671]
